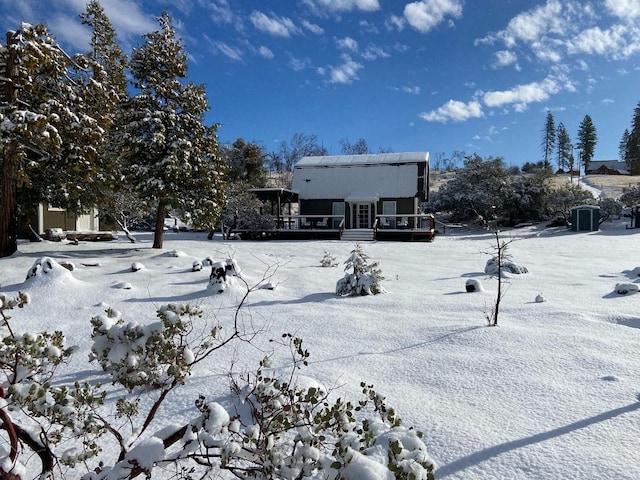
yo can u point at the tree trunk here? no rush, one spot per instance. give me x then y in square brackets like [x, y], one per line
[8, 202]
[159, 231]
[8, 188]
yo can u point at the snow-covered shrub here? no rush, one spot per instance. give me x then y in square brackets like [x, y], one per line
[364, 279]
[222, 275]
[197, 266]
[155, 354]
[276, 426]
[283, 430]
[328, 260]
[509, 266]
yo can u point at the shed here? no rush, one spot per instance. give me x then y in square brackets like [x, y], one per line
[585, 218]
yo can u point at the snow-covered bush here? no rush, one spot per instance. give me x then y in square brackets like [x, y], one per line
[275, 426]
[223, 275]
[364, 279]
[328, 260]
[153, 354]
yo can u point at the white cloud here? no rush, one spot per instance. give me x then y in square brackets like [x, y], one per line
[611, 41]
[228, 51]
[505, 58]
[347, 43]
[395, 22]
[319, 6]
[625, 9]
[273, 25]
[425, 15]
[221, 12]
[299, 64]
[265, 52]
[532, 25]
[373, 52]
[412, 89]
[346, 72]
[455, 111]
[312, 27]
[522, 95]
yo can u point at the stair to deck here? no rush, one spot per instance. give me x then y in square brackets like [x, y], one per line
[358, 235]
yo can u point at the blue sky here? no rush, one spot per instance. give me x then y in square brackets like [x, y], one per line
[434, 75]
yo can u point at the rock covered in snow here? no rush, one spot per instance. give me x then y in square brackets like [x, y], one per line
[626, 288]
[491, 268]
[473, 285]
[136, 266]
[540, 298]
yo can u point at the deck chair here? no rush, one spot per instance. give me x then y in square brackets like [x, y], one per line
[403, 223]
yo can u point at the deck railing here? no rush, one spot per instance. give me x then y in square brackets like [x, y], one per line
[311, 222]
[420, 221]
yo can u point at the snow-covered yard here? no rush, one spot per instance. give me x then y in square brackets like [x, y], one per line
[551, 393]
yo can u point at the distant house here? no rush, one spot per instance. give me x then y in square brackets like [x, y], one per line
[364, 192]
[608, 167]
[45, 217]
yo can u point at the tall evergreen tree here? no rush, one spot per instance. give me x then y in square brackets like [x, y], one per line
[564, 148]
[587, 140]
[109, 63]
[48, 136]
[246, 162]
[633, 144]
[548, 139]
[171, 155]
[623, 145]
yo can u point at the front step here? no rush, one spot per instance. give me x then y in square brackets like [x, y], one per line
[358, 235]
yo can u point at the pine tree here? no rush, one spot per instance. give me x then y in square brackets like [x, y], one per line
[587, 140]
[172, 157]
[623, 145]
[564, 148]
[548, 139]
[633, 144]
[109, 63]
[48, 137]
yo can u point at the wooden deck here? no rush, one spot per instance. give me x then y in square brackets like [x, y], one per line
[404, 228]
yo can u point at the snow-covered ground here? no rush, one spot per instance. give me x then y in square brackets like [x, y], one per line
[551, 393]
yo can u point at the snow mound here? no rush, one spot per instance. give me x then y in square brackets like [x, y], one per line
[46, 269]
[175, 254]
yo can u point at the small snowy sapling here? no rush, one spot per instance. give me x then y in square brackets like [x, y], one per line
[365, 278]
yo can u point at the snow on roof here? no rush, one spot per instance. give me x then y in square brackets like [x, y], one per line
[371, 159]
[386, 175]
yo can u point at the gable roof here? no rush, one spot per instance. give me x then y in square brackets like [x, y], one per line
[369, 159]
[385, 175]
[617, 165]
